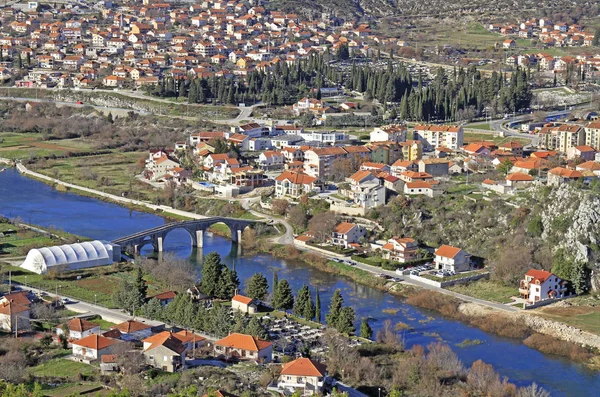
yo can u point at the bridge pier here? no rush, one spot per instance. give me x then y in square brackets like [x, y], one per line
[199, 242]
[159, 244]
[236, 236]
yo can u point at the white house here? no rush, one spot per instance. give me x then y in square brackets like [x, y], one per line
[540, 285]
[14, 316]
[133, 330]
[243, 304]
[346, 233]
[400, 249]
[435, 136]
[303, 375]
[270, 159]
[92, 347]
[244, 347]
[388, 133]
[79, 328]
[293, 184]
[452, 258]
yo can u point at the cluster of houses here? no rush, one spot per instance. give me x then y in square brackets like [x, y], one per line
[303, 160]
[558, 34]
[141, 44]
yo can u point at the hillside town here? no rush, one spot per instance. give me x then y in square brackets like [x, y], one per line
[251, 198]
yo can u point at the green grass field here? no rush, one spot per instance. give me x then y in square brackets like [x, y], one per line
[487, 290]
[584, 317]
[63, 368]
[22, 146]
[480, 136]
[95, 284]
[112, 173]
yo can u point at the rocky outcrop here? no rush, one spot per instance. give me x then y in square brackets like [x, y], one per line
[595, 279]
[572, 218]
[538, 324]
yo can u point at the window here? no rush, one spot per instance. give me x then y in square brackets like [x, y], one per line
[151, 357]
[165, 358]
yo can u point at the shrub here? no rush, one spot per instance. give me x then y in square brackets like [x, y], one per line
[550, 345]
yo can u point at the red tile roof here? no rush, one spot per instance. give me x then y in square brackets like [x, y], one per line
[243, 342]
[242, 299]
[95, 342]
[304, 367]
[447, 251]
[131, 326]
[80, 325]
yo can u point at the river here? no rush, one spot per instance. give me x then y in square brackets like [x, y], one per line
[37, 203]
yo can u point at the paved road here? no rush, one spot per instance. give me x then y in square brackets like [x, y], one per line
[288, 236]
[352, 392]
[111, 315]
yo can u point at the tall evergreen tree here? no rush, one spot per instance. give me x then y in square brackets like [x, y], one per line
[258, 287]
[335, 307]
[283, 298]
[365, 329]
[318, 306]
[211, 274]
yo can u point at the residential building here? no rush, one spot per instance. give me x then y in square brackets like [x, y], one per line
[561, 138]
[400, 249]
[270, 160]
[559, 175]
[133, 330]
[592, 134]
[590, 166]
[366, 190]
[165, 297]
[244, 347]
[165, 351]
[412, 150]
[78, 328]
[583, 152]
[540, 285]
[434, 136]
[14, 317]
[386, 152]
[434, 167]
[512, 148]
[518, 180]
[293, 184]
[302, 375]
[401, 166]
[243, 304]
[389, 133]
[318, 161]
[92, 347]
[452, 258]
[476, 149]
[420, 188]
[346, 234]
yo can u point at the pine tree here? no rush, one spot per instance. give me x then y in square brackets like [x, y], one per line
[318, 306]
[211, 274]
[275, 282]
[283, 298]
[335, 307]
[228, 283]
[345, 321]
[140, 289]
[258, 287]
[365, 329]
[304, 305]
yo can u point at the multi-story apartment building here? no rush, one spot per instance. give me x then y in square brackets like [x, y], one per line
[435, 136]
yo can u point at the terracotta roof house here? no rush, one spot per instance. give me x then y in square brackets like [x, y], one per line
[92, 347]
[243, 304]
[14, 316]
[165, 351]
[165, 297]
[79, 328]
[302, 375]
[452, 259]
[133, 330]
[244, 347]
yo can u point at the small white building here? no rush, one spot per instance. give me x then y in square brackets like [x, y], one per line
[14, 317]
[387, 133]
[244, 347]
[540, 285]
[303, 375]
[133, 330]
[92, 348]
[346, 233]
[78, 328]
[452, 258]
[243, 304]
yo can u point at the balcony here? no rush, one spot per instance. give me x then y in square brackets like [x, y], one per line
[524, 291]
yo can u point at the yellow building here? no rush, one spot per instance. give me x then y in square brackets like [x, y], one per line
[412, 150]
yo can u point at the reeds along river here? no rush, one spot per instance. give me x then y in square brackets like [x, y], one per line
[37, 203]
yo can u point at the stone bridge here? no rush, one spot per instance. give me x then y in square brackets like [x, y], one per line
[195, 228]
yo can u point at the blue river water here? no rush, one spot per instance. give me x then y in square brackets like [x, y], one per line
[37, 203]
